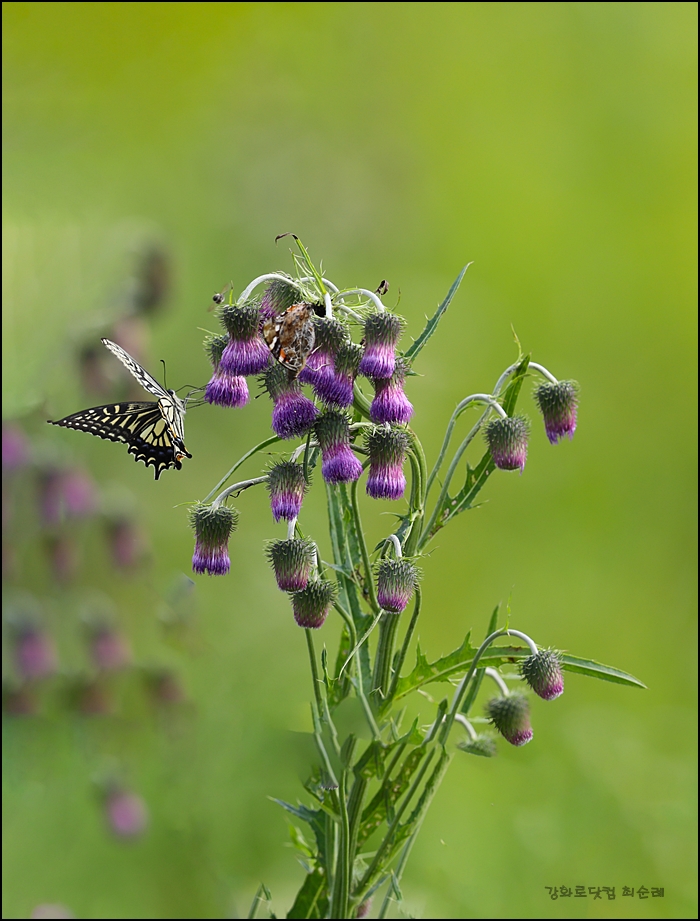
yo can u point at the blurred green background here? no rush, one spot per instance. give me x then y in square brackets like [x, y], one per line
[554, 145]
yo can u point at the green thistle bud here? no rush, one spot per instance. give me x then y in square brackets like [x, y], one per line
[543, 673]
[511, 717]
[311, 606]
[292, 561]
[507, 441]
[213, 527]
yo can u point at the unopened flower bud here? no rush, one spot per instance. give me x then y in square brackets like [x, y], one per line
[387, 447]
[507, 441]
[482, 745]
[278, 296]
[293, 414]
[246, 353]
[286, 485]
[224, 388]
[339, 463]
[511, 717]
[558, 404]
[382, 332]
[312, 604]
[126, 814]
[213, 527]
[363, 909]
[543, 673]
[292, 561]
[396, 582]
[390, 403]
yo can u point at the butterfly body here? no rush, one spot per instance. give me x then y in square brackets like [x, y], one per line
[154, 431]
[291, 336]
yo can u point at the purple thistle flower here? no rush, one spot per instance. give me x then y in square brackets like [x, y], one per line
[212, 527]
[127, 543]
[15, 448]
[507, 441]
[396, 582]
[543, 673]
[279, 295]
[286, 486]
[339, 463]
[511, 717]
[224, 388]
[78, 494]
[293, 414]
[390, 403]
[330, 334]
[382, 332]
[35, 654]
[483, 745]
[337, 389]
[312, 604]
[246, 352]
[387, 451]
[292, 561]
[558, 404]
[126, 814]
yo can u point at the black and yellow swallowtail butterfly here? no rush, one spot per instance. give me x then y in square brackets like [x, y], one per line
[154, 432]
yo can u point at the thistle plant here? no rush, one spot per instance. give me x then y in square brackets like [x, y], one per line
[368, 792]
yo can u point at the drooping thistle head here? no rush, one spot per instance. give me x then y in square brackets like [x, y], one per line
[396, 582]
[382, 333]
[278, 296]
[224, 388]
[213, 526]
[543, 673]
[292, 561]
[337, 389]
[507, 441]
[511, 717]
[246, 352]
[558, 404]
[339, 464]
[390, 403]
[387, 446]
[286, 485]
[312, 604]
[293, 413]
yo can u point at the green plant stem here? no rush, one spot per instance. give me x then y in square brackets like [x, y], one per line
[314, 671]
[398, 665]
[369, 576]
[343, 869]
[259, 447]
[359, 687]
[385, 652]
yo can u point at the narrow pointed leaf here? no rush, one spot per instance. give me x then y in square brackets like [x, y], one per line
[432, 323]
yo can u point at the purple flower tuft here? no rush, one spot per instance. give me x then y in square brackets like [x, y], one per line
[212, 527]
[339, 463]
[390, 403]
[246, 352]
[126, 813]
[293, 414]
[15, 448]
[337, 388]
[543, 673]
[35, 654]
[224, 389]
[507, 441]
[363, 909]
[286, 486]
[387, 452]
[292, 561]
[558, 404]
[311, 605]
[109, 650]
[511, 717]
[382, 332]
[396, 582]
[330, 335]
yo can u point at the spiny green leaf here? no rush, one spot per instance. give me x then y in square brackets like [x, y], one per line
[432, 323]
[312, 898]
[425, 672]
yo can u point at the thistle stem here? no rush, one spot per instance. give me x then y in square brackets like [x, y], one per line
[406, 642]
[385, 650]
[237, 488]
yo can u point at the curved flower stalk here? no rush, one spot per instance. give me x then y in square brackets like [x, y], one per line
[380, 786]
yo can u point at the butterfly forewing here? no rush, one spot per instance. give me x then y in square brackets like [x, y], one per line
[154, 431]
[291, 337]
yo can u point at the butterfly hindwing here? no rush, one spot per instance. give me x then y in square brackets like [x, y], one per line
[291, 336]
